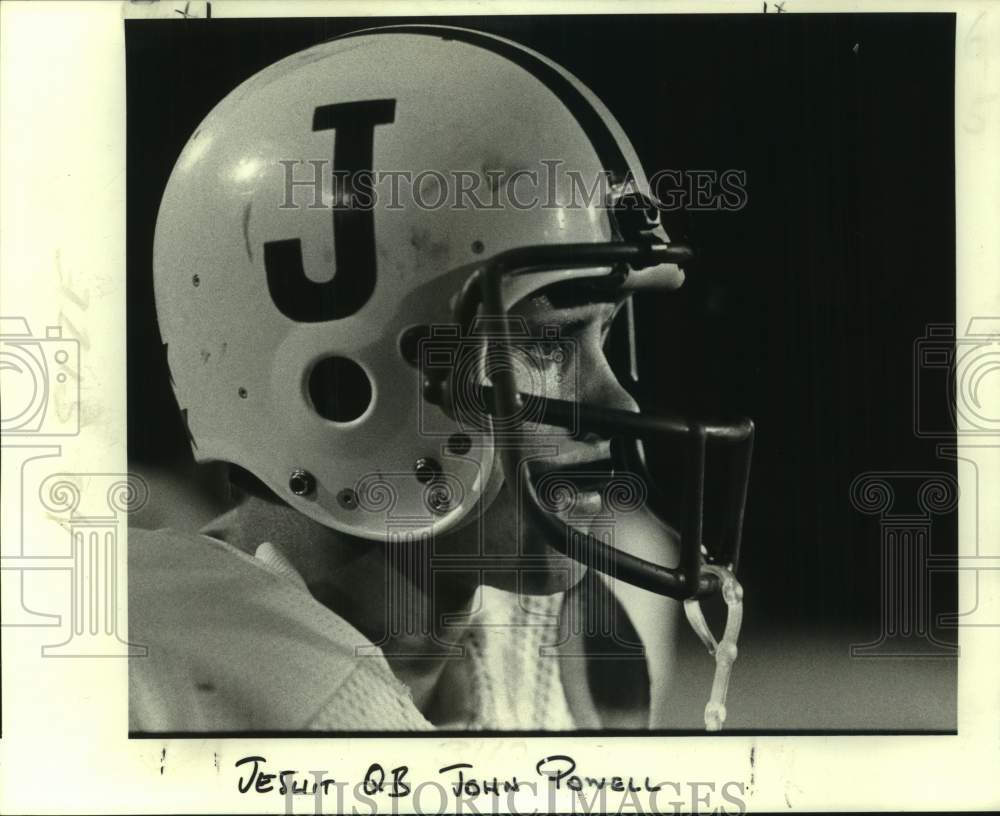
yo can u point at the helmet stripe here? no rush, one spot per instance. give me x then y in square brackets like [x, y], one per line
[605, 144]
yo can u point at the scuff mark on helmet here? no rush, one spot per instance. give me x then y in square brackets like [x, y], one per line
[246, 229]
[430, 253]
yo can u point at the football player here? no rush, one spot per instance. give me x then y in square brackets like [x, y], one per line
[385, 297]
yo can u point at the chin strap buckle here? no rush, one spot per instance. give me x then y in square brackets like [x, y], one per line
[724, 651]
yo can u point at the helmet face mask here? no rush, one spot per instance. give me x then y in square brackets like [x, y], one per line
[380, 400]
[629, 489]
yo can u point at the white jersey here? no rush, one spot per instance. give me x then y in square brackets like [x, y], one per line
[237, 643]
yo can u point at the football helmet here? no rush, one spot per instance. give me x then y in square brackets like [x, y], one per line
[360, 358]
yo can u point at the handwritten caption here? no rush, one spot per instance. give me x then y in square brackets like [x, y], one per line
[463, 782]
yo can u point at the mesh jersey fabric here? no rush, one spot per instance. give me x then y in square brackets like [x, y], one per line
[237, 643]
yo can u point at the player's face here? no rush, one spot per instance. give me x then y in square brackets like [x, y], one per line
[573, 367]
[570, 473]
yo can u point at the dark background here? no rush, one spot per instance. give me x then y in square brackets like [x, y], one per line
[806, 305]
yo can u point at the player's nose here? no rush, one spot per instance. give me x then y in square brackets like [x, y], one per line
[601, 387]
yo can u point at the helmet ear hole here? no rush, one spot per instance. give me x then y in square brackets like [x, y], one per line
[339, 389]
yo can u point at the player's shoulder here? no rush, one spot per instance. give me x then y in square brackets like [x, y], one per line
[230, 644]
[177, 561]
[177, 576]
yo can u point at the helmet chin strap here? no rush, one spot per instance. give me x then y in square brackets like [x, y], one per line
[725, 650]
[700, 572]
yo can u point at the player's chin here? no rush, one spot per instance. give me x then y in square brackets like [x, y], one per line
[557, 574]
[532, 551]
[547, 545]
[541, 567]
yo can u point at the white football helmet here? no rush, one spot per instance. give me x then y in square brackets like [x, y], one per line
[308, 329]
